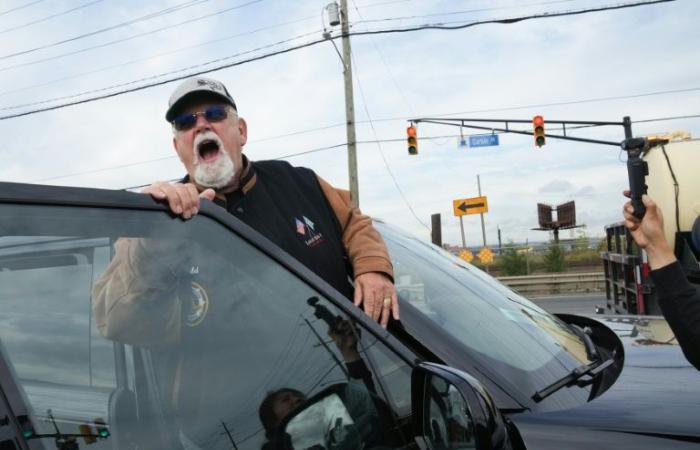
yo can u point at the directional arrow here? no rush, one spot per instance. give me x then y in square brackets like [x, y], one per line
[464, 207]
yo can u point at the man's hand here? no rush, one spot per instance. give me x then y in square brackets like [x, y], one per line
[183, 198]
[377, 293]
[648, 233]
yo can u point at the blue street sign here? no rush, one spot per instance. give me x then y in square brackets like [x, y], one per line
[483, 140]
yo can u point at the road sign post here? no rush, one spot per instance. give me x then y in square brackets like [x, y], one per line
[461, 227]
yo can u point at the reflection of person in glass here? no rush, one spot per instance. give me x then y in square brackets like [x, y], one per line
[356, 394]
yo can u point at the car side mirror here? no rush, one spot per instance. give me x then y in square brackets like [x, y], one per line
[451, 409]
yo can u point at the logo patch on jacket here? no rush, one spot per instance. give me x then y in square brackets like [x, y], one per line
[307, 229]
[199, 305]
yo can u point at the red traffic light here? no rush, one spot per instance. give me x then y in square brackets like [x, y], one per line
[412, 140]
[538, 130]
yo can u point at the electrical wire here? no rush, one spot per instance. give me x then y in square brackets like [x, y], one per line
[386, 66]
[128, 38]
[152, 57]
[52, 16]
[508, 108]
[162, 12]
[305, 152]
[509, 21]
[465, 11]
[676, 189]
[17, 8]
[128, 83]
[298, 47]
[381, 150]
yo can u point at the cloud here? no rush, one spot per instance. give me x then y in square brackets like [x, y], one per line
[557, 186]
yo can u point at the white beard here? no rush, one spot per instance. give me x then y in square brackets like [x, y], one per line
[217, 174]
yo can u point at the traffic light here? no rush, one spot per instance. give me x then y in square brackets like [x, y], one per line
[538, 130]
[101, 428]
[412, 138]
[25, 424]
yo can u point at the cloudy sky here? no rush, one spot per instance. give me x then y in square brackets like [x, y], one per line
[642, 62]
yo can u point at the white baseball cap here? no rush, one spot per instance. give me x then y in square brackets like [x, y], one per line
[193, 87]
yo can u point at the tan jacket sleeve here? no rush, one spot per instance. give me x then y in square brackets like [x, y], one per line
[364, 245]
[135, 300]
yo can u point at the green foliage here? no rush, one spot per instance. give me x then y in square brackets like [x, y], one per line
[554, 258]
[512, 263]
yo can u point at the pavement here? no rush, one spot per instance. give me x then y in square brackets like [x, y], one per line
[570, 304]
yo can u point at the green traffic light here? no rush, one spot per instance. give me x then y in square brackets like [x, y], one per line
[104, 433]
[27, 434]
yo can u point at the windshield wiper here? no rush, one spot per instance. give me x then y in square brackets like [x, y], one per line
[592, 370]
[591, 349]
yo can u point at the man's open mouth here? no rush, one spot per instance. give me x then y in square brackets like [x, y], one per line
[208, 150]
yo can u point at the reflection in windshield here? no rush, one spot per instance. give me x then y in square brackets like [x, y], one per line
[488, 318]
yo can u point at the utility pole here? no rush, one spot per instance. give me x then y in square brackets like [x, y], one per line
[483, 228]
[349, 105]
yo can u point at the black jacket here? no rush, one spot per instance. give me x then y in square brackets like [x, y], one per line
[680, 303]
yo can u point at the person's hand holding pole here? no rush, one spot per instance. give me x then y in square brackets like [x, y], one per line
[648, 233]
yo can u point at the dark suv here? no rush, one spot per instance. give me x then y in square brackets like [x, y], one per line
[237, 345]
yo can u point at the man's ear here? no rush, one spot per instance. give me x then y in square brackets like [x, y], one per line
[243, 130]
[176, 149]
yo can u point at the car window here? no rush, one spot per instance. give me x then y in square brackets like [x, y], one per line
[226, 342]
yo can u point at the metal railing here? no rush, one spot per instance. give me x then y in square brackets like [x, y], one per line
[559, 283]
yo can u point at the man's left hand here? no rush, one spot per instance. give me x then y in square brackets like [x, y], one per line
[377, 294]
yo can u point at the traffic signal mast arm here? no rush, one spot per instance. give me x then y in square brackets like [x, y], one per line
[464, 123]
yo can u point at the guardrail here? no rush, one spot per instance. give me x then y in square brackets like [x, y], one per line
[560, 283]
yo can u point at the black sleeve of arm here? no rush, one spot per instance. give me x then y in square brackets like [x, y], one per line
[680, 303]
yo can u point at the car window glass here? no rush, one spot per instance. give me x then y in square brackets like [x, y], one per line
[226, 342]
[502, 330]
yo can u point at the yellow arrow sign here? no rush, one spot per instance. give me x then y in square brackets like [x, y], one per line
[474, 205]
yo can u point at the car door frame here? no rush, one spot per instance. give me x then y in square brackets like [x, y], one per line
[58, 196]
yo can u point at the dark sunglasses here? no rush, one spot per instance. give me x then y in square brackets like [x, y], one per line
[215, 113]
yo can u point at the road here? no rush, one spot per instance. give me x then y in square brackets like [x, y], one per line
[573, 304]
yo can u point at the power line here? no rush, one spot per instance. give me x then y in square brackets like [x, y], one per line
[314, 150]
[94, 91]
[151, 57]
[17, 8]
[52, 16]
[465, 11]
[386, 66]
[510, 21]
[159, 13]
[309, 44]
[381, 151]
[128, 38]
[500, 109]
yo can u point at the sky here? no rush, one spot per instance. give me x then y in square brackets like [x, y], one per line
[640, 62]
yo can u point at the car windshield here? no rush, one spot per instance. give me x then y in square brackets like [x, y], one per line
[499, 328]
